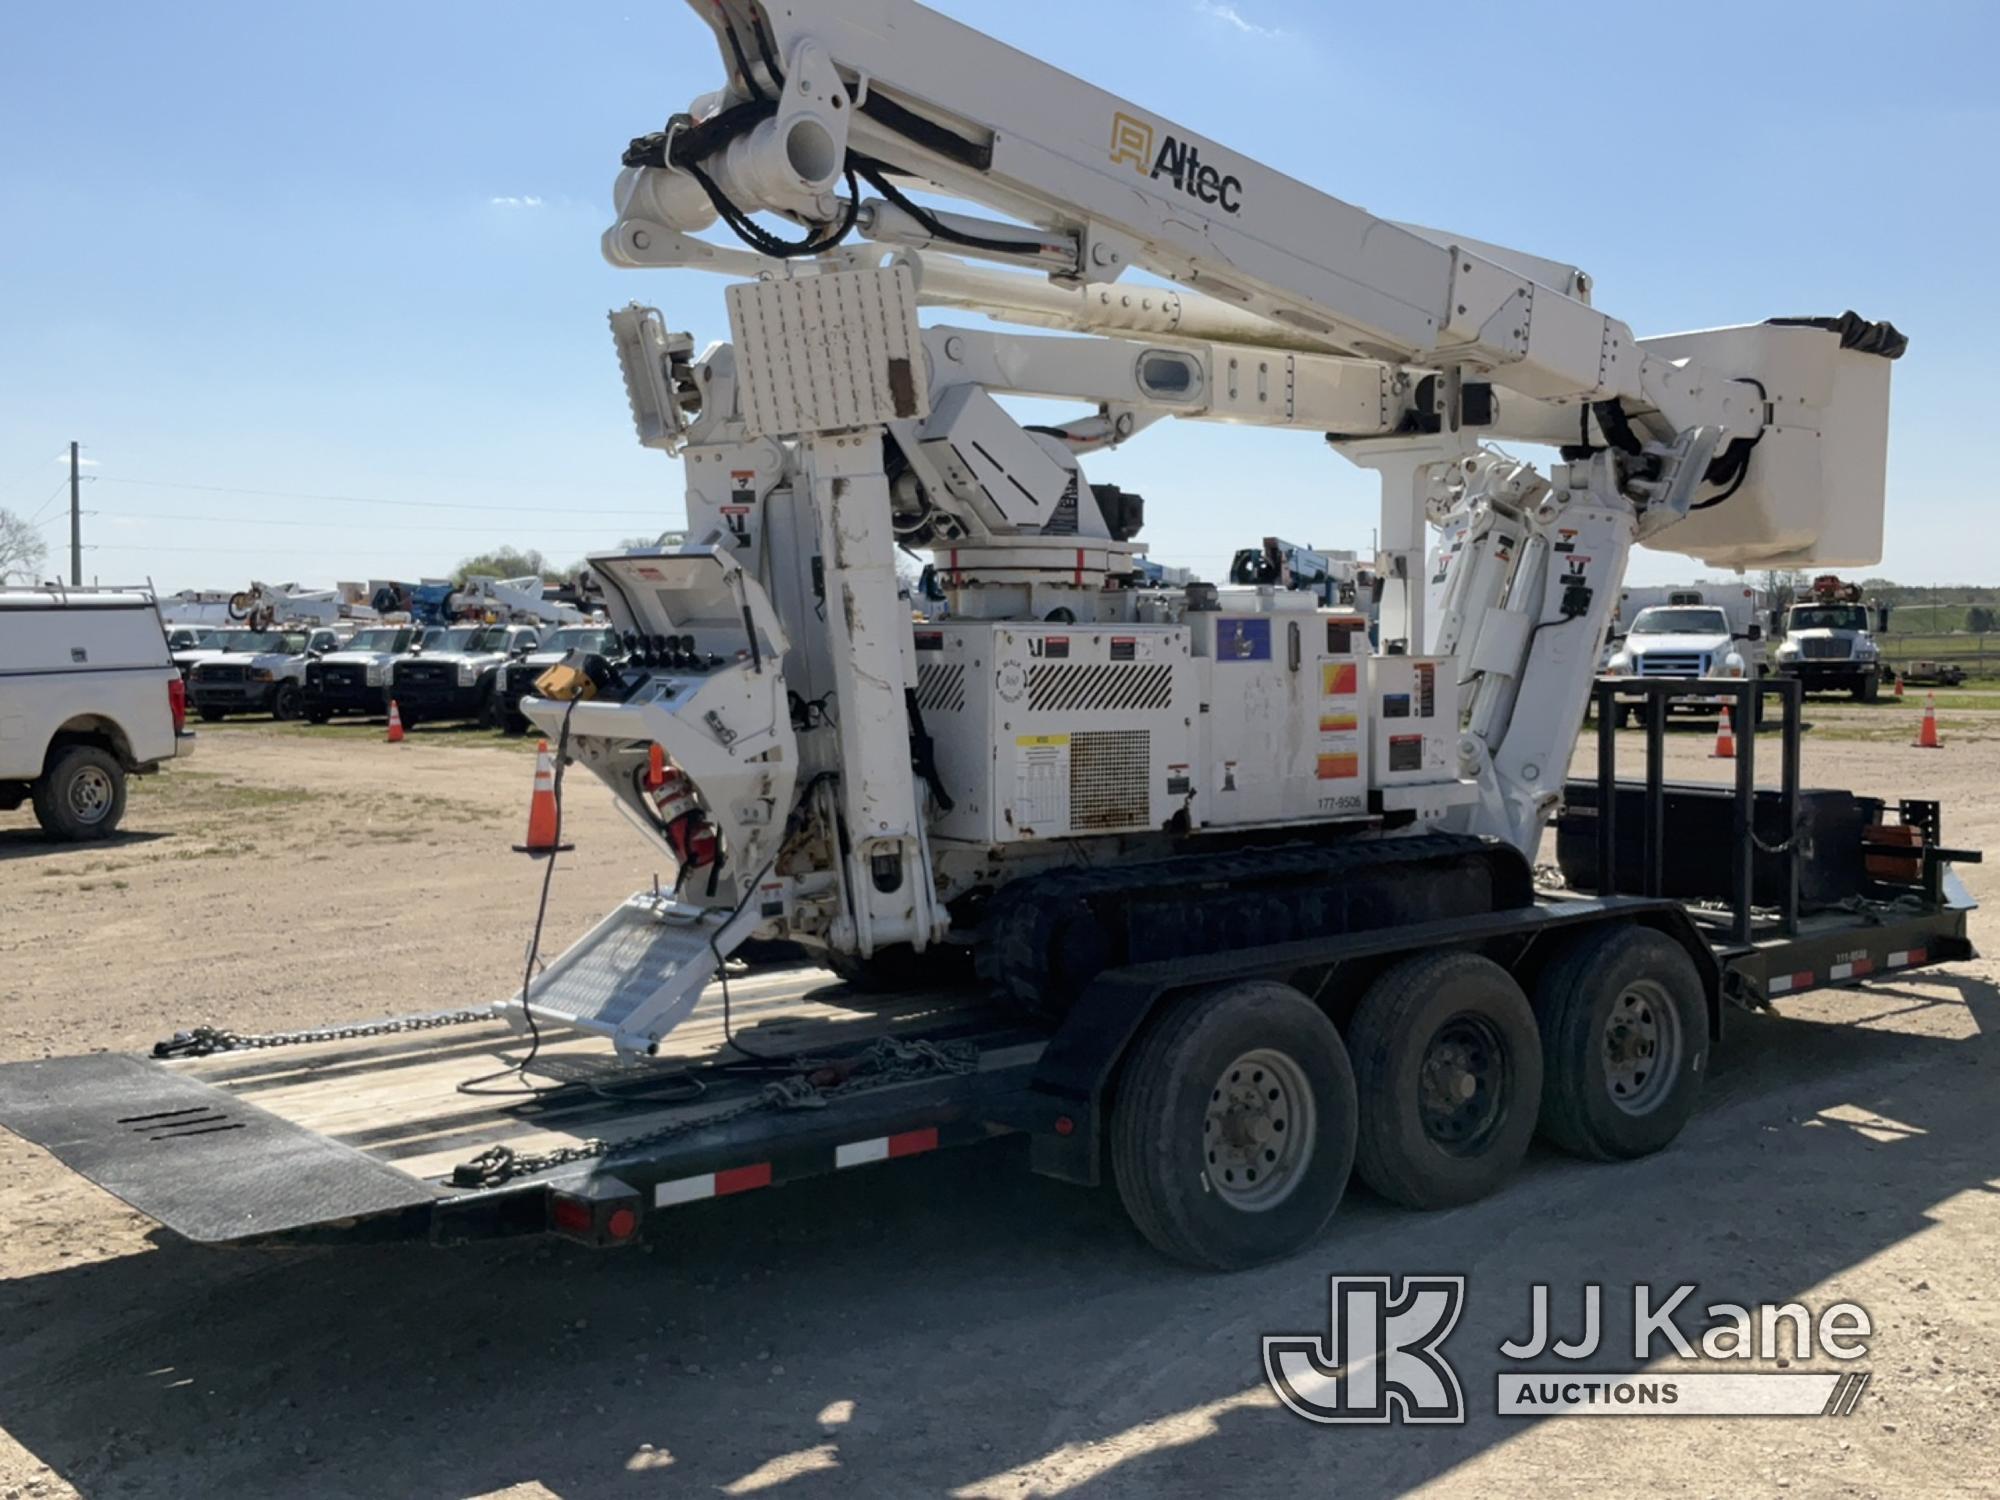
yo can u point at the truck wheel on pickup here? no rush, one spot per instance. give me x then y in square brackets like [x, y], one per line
[1232, 1135]
[1868, 689]
[287, 702]
[81, 795]
[1624, 1028]
[1448, 1072]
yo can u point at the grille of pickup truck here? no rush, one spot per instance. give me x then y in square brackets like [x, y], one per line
[426, 674]
[211, 672]
[1672, 664]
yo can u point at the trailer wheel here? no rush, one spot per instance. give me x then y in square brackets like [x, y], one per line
[1448, 1068]
[1625, 1037]
[1232, 1137]
[81, 795]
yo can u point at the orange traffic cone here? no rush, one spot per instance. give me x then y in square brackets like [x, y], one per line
[1725, 738]
[395, 724]
[1927, 737]
[544, 818]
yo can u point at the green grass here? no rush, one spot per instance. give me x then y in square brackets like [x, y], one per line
[358, 730]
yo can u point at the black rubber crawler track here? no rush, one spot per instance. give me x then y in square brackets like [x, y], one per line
[1048, 936]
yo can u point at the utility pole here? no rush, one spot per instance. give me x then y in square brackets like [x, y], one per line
[75, 523]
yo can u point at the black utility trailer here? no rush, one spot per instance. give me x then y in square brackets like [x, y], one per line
[1388, 1049]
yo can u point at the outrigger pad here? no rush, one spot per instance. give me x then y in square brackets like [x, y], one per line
[201, 1161]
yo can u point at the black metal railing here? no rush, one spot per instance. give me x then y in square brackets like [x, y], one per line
[1651, 696]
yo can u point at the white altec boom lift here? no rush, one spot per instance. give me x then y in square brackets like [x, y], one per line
[1249, 903]
[881, 791]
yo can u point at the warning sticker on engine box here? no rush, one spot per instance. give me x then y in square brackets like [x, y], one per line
[1041, 784]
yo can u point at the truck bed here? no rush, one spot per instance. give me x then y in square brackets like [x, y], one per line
[332, 1136]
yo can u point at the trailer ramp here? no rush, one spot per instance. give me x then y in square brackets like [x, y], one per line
[206, 1163]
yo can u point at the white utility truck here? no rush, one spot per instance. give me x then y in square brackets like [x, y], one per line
[1249, 901]
[88, 697]
[259, 671]
[455, 673]
[1830, 642]
[1689, 642]
[353, 678]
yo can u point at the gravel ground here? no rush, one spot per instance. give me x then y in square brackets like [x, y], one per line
[947, 1325]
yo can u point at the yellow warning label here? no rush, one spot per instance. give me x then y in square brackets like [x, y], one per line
[1041, 742]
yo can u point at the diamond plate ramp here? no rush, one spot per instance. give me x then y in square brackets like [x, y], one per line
[203, 1162]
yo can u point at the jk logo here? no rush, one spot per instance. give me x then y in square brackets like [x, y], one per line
[1380, 1360]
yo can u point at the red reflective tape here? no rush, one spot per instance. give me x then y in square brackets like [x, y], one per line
[911, 1142]
[742, 1179]
[1079, 577]
[1919, 956]
[1863, 966]
[1802, 979]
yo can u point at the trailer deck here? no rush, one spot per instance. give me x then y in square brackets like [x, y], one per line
[363, 1136]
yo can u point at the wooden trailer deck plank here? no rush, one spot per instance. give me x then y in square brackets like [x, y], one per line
[422, 1102]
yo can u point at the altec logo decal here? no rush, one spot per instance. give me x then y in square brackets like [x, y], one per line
[1177, 161]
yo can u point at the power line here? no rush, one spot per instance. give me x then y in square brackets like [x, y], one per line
[224, 489]
[372, 527]
[62, 487]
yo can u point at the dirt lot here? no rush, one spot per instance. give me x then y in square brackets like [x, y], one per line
[948, 1325]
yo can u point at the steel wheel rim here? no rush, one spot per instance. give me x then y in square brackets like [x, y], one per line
[1258, 1130]
[90, 794]
[1462, 1084]
[1642, 1048]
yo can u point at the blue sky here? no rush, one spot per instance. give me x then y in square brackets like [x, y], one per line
[255, 254]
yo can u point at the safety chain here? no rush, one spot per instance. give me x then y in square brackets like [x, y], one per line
[204, 1041]
[816, 1084]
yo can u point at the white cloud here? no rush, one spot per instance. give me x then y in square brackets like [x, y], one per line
[515, 202]
[1229, 15]
[81, 463]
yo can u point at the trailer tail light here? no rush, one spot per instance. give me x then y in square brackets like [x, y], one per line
[601, 1212]
[177, 700]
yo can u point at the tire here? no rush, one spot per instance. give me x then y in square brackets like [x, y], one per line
[1869, 689]
[900, 969]
[287, 702]
[1621, 717]
[211, 715]
[318, 716]
[1193, 1125]
[1607, 1105]
[1448, 1074]
[81, 795]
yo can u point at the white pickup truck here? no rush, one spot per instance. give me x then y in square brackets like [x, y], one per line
[88, 696]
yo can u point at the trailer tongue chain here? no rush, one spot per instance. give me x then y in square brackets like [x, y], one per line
[205, 1041]
[816, 1084]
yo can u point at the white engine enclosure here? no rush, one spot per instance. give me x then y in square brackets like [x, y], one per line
[1257, 714]
[1048, 731]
